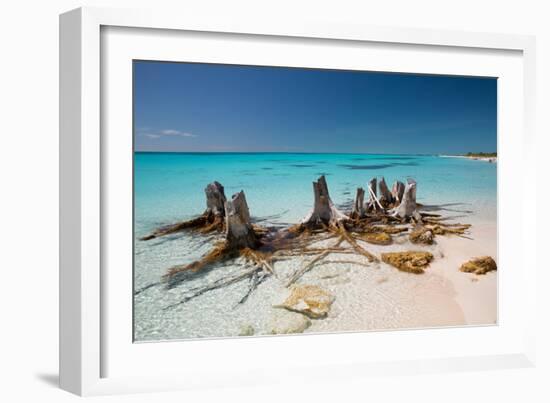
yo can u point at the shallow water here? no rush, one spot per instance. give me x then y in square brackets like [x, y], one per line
[170, 187]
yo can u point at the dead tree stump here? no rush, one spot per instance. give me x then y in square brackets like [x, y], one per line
[407, 207]
[324, 212]
[358, 210]
[397, 191]
[212, 219]
[215, 199]
[373, 199]
[386, 197]
[239, 231]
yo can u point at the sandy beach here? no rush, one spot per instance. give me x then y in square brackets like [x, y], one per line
[367, 296]
[382, 298]
[474, 158]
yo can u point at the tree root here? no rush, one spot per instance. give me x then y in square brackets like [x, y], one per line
[256, 279]
[220, 283]
[358, 248]
[204, 224]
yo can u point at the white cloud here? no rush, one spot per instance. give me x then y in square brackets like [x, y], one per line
[154, 134]
[172, 132]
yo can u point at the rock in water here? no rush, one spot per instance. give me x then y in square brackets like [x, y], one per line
[285, 322]
[422, 235]
[310, 300]
[479, 265]
[411, 262]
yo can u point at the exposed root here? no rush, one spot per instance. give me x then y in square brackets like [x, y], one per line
[220, 283]
[262, 260]
[358, 248]
[256, 279]
[457, 229]
[376, 238]
[197, 222]
[222, 252]
[355, 262]
[299, 273]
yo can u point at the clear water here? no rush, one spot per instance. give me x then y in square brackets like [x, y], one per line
[169, 187]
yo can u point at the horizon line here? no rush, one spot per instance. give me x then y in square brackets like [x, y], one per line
[302, 152]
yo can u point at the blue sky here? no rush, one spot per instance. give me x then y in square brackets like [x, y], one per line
[222, 108]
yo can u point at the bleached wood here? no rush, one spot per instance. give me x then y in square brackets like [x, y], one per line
[397, 191]
[215, 199]
[358, 209]
[385, 194]
[239, 232]
[407, 207]
[324, 211]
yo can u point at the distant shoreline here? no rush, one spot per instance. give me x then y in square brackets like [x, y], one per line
[493, 160]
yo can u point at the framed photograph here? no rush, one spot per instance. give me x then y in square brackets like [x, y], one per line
[254, 200]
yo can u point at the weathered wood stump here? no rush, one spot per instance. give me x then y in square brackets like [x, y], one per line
[239, 231]
[386, 197]
[358, 210]
[215, 199]
[212, 219]
[240, 240]
[397, 191]
[324, 211]
[407, 207]
[372, 204]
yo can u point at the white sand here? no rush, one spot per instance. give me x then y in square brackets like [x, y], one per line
[385, 298]
[486, 159]
[372, 297]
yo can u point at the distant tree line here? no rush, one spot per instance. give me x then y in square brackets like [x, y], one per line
[481, 155]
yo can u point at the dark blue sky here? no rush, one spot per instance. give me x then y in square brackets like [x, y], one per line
[220, 108]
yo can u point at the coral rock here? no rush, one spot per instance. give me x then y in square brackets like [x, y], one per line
[422, 235]
[412, 262]
[309, 300]
[377, 238]
[479, 265]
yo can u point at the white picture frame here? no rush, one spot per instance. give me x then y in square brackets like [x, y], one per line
[89, 345]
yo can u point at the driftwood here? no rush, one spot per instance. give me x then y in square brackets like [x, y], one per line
[212, 219]
[407, 207]
[358, 210]
[373, 203]
[386, 197]
[239, 231]
[324, 211]
[397, 191]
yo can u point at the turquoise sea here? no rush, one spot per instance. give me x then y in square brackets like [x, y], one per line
[169, 187]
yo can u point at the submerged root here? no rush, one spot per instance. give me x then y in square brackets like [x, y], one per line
[222, 252]
[220, 283]
[205, 223]
[456, 229]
